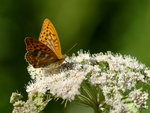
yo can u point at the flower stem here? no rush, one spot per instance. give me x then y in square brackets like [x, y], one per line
[97, 111]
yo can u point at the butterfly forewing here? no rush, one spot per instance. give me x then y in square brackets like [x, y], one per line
[38, 54]
[49, 37]
[31, 44]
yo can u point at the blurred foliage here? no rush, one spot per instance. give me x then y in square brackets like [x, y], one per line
[97, 25]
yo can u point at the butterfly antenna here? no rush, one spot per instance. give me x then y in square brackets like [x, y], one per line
[71, 49]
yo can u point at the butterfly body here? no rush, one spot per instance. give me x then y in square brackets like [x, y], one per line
[47, 51]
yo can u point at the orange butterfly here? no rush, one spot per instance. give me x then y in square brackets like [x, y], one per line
[47, 50]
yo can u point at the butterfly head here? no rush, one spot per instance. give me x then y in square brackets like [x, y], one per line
[62, 58]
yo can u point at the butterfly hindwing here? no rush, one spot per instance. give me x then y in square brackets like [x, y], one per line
[49, 37]
[39, 58]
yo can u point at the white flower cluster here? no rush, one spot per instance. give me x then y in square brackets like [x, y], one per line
[116, 75]
[139, 98]
[22, 106]
[65, 84]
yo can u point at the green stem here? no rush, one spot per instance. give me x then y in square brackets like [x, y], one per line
[91, 96]
[97, 111]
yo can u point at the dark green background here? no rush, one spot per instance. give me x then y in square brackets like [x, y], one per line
[97, 25]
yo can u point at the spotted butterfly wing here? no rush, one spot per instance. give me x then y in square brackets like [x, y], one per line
[49, 37]
[38, 54]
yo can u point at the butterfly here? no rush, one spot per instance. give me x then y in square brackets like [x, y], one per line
[46, 50]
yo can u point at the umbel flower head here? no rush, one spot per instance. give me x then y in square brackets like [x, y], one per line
[106, 82]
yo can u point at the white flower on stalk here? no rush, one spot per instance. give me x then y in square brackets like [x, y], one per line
[107, 81]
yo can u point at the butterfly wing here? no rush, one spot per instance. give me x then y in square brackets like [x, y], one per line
[49, 37]
[38, 54]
